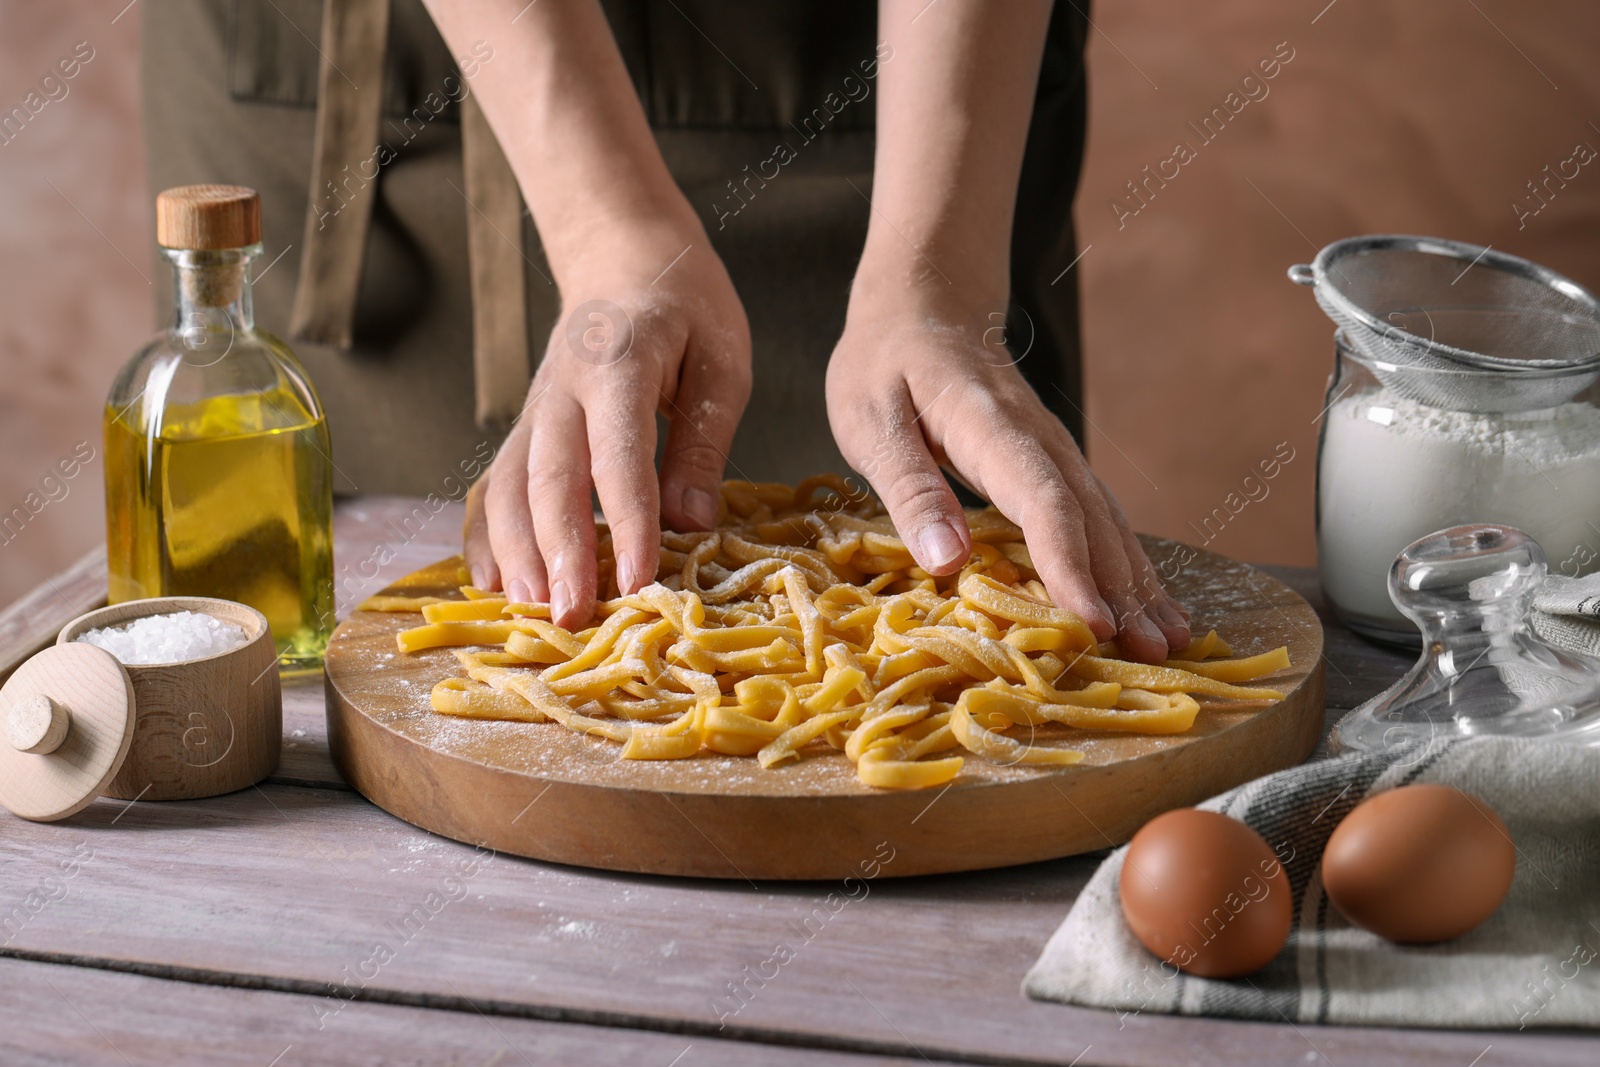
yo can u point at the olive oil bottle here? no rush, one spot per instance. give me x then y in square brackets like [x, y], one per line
[219, 480]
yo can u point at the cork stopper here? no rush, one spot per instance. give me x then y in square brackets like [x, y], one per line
[208, 217]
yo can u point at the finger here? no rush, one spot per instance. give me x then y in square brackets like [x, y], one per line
[563, 518]
[1139, 635]
[1056, 529]
[511, 534]
[1171, 617]
[622, 446]
[1157, 605]
[1180, 609]
[1173, 606]
[887, 447]
[475, 538]
[712, 392]
[1027, 485]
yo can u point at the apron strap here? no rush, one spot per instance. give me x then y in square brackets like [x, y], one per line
[497, 261]
[355, 36]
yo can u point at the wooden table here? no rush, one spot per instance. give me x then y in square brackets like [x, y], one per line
[296, 923]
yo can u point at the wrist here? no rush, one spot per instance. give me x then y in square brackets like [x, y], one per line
[600, 243]
[947, 289]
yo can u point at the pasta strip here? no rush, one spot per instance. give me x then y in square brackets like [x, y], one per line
[1237, 670]
[483, 610]
[468, 699]
[1000, 748]
[1162, 679]
[1167, 713]
[400, 603]
[448, 634]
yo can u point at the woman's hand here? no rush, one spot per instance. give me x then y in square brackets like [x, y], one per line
[921, 376]
[649, 320]
[636, 336]
[912, 389]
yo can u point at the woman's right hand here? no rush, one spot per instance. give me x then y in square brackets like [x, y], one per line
[650, 322]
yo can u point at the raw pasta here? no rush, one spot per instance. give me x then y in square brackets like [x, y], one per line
[803, 621]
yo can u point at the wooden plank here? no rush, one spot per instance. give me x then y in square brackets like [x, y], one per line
[300, 886]
[305, 760]
[32, 621]
[58, 1014]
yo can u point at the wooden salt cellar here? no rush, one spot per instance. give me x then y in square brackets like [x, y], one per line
[75, 723]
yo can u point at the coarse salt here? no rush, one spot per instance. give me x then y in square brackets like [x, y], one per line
[173, 638]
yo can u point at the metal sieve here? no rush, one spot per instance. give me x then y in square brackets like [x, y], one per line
[1456, 325]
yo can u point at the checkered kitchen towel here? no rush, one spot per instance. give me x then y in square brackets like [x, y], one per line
[1535, 962]
[1566, 613]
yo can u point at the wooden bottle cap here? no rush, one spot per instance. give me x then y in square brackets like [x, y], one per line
[81, 693]
[207, 217]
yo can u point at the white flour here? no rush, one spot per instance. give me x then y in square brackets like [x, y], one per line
[1393, 470]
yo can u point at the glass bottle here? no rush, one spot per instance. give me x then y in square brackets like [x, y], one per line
[219, 480]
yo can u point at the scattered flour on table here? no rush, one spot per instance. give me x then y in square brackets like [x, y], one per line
[582, 931]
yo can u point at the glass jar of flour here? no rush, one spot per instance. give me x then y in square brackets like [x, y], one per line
[1407, 450]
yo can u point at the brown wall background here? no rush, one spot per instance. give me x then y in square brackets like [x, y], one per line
[1427, 117]
[76, 228]
[1415, 117]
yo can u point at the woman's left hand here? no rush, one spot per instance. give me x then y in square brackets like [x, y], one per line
[911, 388]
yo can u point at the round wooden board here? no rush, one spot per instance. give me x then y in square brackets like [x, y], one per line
[542, 791]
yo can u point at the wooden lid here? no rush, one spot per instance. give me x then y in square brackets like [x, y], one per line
[204, 217]
[43, 775]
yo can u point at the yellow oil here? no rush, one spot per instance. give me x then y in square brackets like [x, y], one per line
[230, 497]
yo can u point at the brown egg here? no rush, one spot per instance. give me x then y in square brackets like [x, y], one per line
[1419, 864]
[1206, 894]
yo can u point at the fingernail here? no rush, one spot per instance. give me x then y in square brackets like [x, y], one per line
[560, 600]
[1149, 629]
[939, 543]
[1108, 616]
[699, 507]
[625, 573]
[1179, 625]
[518, 592]
[480, 577]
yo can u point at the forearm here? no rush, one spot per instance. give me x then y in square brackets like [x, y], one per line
[560, 101]
[953, 111]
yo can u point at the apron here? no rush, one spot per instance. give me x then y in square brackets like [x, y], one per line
[408, 276]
